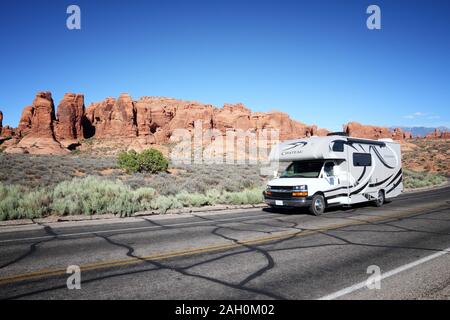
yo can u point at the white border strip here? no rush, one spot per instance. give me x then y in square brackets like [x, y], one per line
[391, 273]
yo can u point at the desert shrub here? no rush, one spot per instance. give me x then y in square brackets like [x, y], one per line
[16, 202]
[128, 161]
[414, 179]
[35, 203]
[213, 196]
[164, 203]
[248, 196]
[9, 202]
[198, 200]
[95, 195]
[150, 160]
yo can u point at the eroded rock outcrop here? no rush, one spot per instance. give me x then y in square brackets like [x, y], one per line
[113, 118]
[156, 118]
[445, 135]
[437, 134]
[70, 116]
[7, 132]
[41, 138]
[355, 129]
[25, 121]
[147, 121]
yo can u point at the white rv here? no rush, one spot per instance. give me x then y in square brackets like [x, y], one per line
[335, 170]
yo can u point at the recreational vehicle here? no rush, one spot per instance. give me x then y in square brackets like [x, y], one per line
[335, 170]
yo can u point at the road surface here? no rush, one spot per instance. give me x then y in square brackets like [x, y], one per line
[250, 254]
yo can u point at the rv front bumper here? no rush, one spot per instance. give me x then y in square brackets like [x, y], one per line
[300, 202]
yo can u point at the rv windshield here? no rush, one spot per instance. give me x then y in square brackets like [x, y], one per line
[303, 169]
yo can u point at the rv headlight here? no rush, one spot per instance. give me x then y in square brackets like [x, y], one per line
[301, 188]
[268, 188]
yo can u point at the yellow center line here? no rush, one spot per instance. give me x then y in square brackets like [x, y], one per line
[207, 249]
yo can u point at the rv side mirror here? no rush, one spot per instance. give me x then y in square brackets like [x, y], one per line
[275, 174]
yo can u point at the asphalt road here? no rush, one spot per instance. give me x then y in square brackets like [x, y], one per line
[250, 254]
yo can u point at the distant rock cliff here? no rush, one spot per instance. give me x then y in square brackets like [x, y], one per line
[145, 122]
[355, 129]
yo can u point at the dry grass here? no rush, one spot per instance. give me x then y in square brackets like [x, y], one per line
[46, 171]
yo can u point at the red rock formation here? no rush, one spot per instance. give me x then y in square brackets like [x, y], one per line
[156, 118]
[40, 139]
[234, 117]
[355, 129]
[407, 135]
[25, 121]
[399, 134]
[7, 131]
[149, 120]
[322, 132]
[113, 118]
[70, 115]
[434, 135]
[43, 115]
[437, 134]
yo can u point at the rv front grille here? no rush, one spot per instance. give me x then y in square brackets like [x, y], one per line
[280, 195]
[278, 188]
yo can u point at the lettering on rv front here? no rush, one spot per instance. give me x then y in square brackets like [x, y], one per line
[291, 152]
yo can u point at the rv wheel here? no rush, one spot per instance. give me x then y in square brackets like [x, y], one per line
[317, 205]
[380, 199]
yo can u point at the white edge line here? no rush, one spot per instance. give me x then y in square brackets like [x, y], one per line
[391, 273]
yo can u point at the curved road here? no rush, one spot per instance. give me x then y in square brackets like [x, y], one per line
[248, 254]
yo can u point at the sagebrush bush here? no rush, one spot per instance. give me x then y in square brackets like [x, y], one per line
[414, 179]
[16, 202]
[95, 195]
[151, 160]
[164, 203]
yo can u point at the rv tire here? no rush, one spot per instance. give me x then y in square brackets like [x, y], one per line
[380, 199]
[318, 205]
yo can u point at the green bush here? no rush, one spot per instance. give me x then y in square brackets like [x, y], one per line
[150, 160]
[128, 161]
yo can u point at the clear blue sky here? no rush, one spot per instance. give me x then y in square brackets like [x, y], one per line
[315, 60]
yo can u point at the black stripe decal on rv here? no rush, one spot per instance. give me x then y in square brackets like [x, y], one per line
[395, 178]
[360, 189]
[362, 174]
[340, 188]
[380, 183]
[337, 196]
[381, 158]
[396, 184]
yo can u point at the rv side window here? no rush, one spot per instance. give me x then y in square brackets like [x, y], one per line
[338, 146]
[362, 160]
